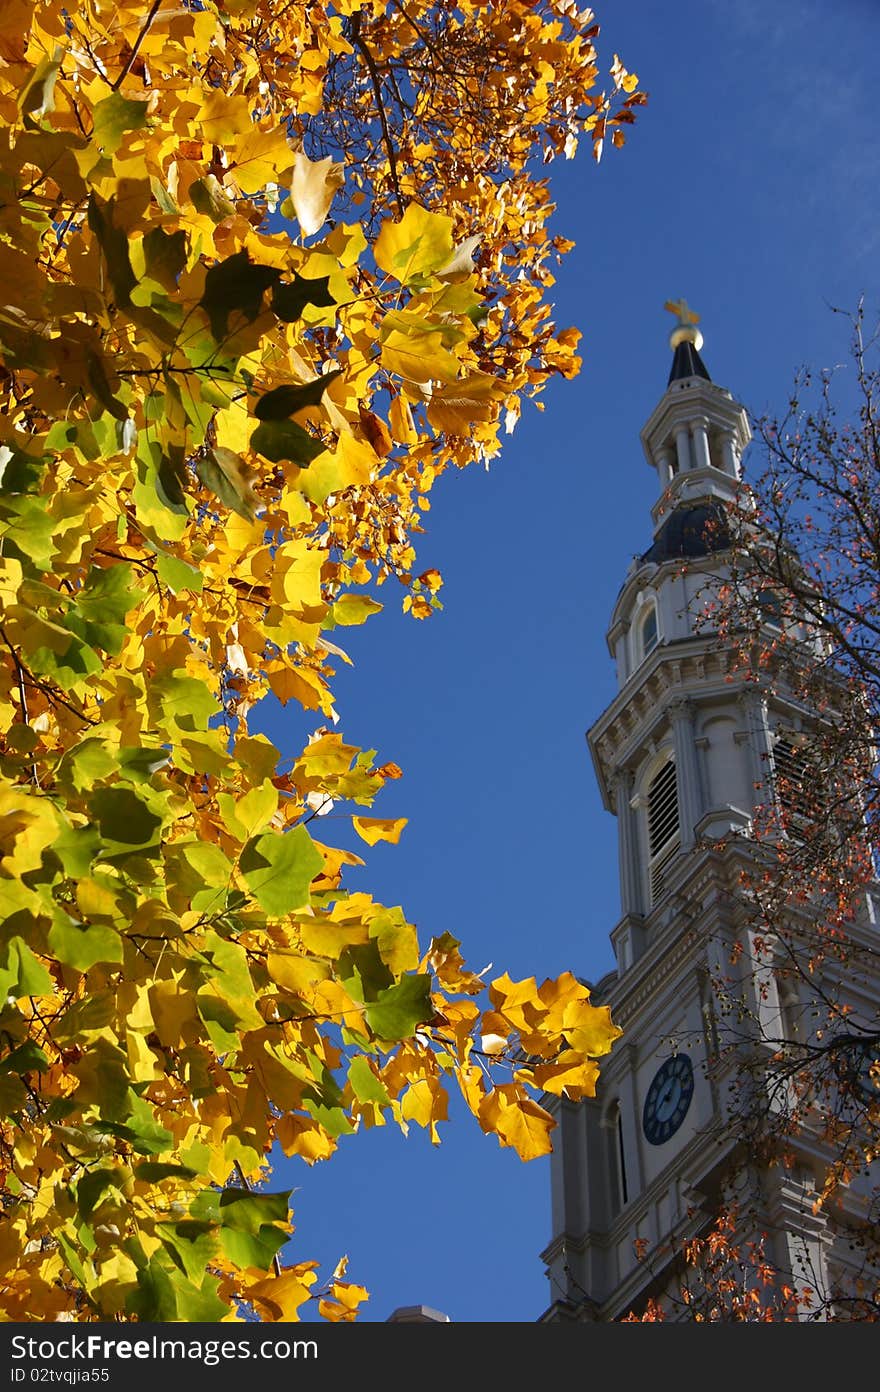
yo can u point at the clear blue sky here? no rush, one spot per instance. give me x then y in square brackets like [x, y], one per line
[749, 186]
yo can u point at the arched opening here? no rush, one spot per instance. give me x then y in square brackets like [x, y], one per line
[664, 830]
[649, 635]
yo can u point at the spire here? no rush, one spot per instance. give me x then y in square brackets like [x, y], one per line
[695, 435]
[686, 342]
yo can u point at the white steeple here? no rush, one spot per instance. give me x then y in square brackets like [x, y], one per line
[682, 754]
[696, 435]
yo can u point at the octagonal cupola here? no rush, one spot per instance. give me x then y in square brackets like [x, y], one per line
[696, 435]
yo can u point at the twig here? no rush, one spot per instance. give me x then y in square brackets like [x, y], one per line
[114, 86]
[276, 1264]
[355, 34]
[22, 696]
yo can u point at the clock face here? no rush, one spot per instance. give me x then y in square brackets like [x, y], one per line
[668, 1099]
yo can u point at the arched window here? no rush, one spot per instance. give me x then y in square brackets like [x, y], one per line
[616, 1156]
[664, 832]
[770, 606]
[648, 633]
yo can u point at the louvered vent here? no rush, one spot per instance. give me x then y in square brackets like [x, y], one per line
[663, 829]
[792, 778]
[662, 809]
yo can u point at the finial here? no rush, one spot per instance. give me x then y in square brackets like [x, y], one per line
[686, 330]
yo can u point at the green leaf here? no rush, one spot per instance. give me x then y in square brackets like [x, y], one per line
[279, 867]
[246, 1211]
[229, 985]
[276, 440]
[363, 972]
[13, 1094]
[207, 196]
[77, 848]
[124, 819]
[167, 1295]
[74, 1265]
[100, 385]
[113, 242]
[154, 1171]
[364, 1083]
[91, 1186]
[397, 1011]
[23, 975]
[253, 1249]
[141, 1129]
[87, 1016]
[86, 764]
[182, 701]
[191, 1245]
[27, 1058]
[79, 946]
[177, 575]
[20, 473]
[164, 256]
[286, 401]
[38, 96]
[333, 1119]
[70, 667]
[290, 299]
[235, 284]
[113, 117]
[209, 862]
[26, 532]
[224, 472]
[98, 612]
[138, 764]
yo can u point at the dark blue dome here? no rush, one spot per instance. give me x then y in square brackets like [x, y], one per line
[697, 530]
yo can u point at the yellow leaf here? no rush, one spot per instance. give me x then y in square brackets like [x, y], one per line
[417, 245]
[352, 464]
[354, 609]
[570, 1075]
[373, 829]
[294, 972]
[425, 1102]
[517, 1121]
[456, 407]
[343, 1302]
[258, 158]
[303, 1136]
[419, 357]
[589, 1028]
[311, 192]
[279, 1297]
[95, 900]
[257, 808]
[174, 1011]
[221, 116]
[292, 684]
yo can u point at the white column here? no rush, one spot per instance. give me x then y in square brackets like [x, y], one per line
[683, 447]
[754, 707]
[700, 431]
[627, 845]
[690, 798]
[665, 460]
[728, 454]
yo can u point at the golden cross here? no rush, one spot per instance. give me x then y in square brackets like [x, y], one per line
[680, 308]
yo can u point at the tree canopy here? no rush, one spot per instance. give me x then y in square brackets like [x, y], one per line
[268, 270]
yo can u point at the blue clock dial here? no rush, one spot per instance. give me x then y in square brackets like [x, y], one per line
[668, 1099]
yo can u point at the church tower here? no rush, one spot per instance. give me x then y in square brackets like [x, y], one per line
[682, 755]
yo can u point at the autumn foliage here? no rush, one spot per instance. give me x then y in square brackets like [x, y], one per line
[798, 609]
[268, 270]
